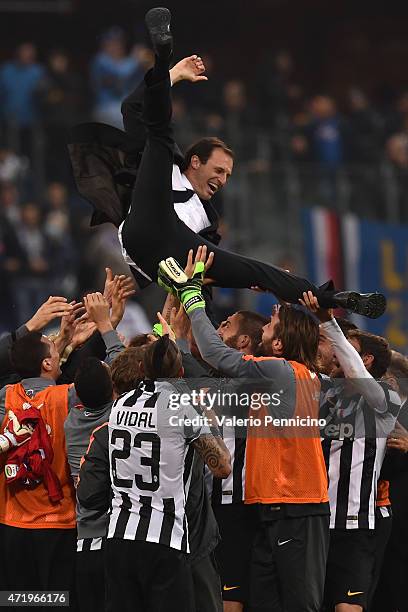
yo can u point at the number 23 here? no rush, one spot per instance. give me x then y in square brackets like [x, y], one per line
[153, 461]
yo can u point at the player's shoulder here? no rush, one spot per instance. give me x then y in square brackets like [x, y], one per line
[173, 385]
[101, 434]
[265, 362]
[392, 397]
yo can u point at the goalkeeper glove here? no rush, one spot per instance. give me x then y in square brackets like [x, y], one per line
[14, 433]
[158, 330]
[188, 290]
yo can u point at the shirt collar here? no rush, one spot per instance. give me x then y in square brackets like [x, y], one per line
[186, 183]
[37, 384]
[180, 181]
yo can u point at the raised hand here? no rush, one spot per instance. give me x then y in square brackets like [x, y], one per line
[180, 323]
[123, 287]
[68, 325]
[174, 280]
[83, 331]
[166, 329]
[311, 302]
[190, 68]
[108, 288]
[54, 307]
[97, 309]
[200, 256]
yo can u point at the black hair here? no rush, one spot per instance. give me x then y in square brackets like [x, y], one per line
[28, 353]
[162, 359]
[377, 346]
[125, 369]
[93, 383]
[203, 148]
[251, 324]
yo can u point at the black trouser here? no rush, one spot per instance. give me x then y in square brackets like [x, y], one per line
[38, 560]
[207, 584]
[147, 577]
[90, 579]
[152, 231]
[350, 567]
[233, 553]
[288, 564]
[392, 588]
[383, 528]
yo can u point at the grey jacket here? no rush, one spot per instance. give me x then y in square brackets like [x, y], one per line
[78, 427]
[276, 375]
[33, 386]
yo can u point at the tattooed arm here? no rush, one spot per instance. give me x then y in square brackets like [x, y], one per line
[171, 301]
[215, 454]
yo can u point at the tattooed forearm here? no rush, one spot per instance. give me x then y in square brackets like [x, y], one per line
[215, 454]
[171, 301]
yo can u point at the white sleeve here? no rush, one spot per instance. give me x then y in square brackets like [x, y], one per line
[195, 423]
[354, 368]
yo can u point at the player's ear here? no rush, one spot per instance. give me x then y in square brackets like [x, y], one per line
[195, 162]
[277, 346]
[243, 341]
[46, 365]
[368, 360]
[392, 381]
[181, 372]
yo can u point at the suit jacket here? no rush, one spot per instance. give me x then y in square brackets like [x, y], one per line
[105, 162]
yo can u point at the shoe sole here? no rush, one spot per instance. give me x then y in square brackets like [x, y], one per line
[158, 23]
[372, 305]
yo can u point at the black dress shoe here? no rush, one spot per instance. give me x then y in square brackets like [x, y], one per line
[158, 23]
[371, 305]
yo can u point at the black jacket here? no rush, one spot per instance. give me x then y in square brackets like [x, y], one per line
[105, 162]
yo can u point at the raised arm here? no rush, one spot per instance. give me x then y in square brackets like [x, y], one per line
[226, 360]
[53, 308]
[349, 359]
[97, 308]
[187, 286]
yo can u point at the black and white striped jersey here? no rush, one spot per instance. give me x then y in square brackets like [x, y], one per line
[150, 463]
[89, 544]
[230, 490]
[354, 443]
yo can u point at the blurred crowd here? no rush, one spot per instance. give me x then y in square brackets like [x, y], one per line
[270, 121]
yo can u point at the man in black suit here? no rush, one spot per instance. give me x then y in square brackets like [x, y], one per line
[169, 195]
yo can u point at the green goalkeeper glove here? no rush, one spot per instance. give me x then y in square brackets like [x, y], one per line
[173, 279]
[158, 330]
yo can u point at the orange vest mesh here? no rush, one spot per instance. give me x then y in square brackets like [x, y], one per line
[383, 493]
[287, 465]
[31, 507]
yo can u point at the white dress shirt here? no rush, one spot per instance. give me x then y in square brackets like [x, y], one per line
[192, 213]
